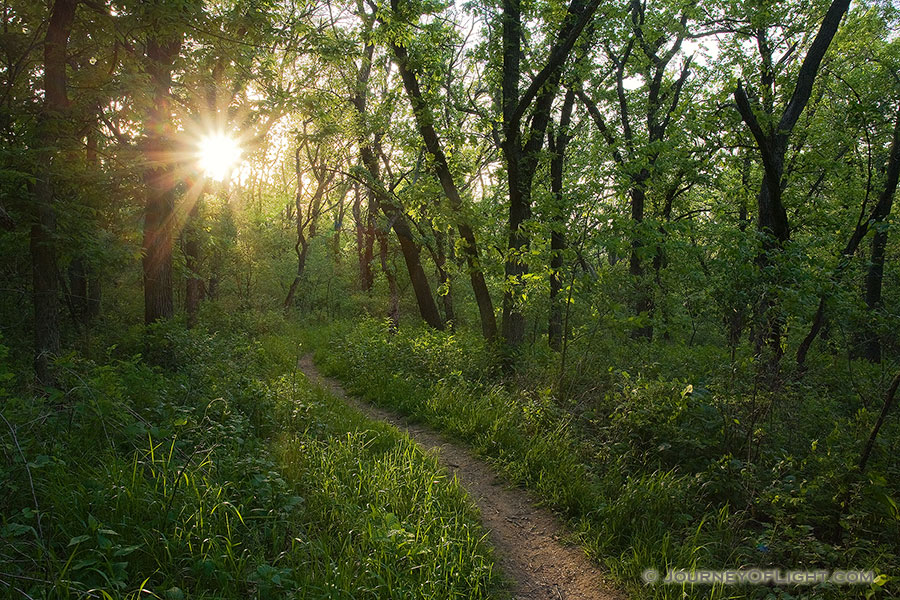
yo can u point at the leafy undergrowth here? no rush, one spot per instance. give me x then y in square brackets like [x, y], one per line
[652, 472]
[222, 474]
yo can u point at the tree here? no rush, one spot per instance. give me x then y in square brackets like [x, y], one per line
[51, 133]
[163, 46]
[521, 146]
[425, 122]
[772, 138]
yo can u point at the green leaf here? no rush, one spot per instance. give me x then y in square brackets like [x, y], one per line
[78, 539]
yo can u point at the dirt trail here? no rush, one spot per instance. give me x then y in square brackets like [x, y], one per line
[526, 538]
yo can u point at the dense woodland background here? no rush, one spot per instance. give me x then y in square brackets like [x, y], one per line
[641, 254]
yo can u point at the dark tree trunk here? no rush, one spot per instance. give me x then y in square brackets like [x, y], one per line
[159, 180]
[45, 271]
[194, 284]
[661, 105]
[522, 160]
[399, 222]
[643, 300]
[870, 346]
[307, 223]
[365, 237]
[425, 122]
[737, 315]
[440, 261]
[397, 219]
[338, 225]
[557, 145]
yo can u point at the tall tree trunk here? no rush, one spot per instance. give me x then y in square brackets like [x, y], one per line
[159, 181]
[396, 217]
[425, 121]
[522, 159]
[643, 301]
[399, 222]
[440, 261]
[557, 145]
[307, 224]
[869, 346]
[338, 225]
[43, 228]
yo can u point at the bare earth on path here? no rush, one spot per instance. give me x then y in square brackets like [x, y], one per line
[526, 538]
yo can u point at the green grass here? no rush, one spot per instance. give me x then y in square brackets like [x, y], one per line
[222, 474]
[649, 472]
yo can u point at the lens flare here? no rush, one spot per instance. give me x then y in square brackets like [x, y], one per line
[219, 154]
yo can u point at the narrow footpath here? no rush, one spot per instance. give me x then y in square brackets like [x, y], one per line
[527, 539]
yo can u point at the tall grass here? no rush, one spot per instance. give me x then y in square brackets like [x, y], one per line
[652, 472]
[222, 473]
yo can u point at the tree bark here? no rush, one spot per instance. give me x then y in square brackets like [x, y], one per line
[869, 346]
[365, 237]
[45, 271]
[557, 145]
[522, 160]
[396, 217]
[159, 181]
[440, 261]
[393, 289]
[307, 221]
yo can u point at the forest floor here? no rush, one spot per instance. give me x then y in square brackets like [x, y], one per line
[528, 539]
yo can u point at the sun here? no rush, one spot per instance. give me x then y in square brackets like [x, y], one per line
[219, 155]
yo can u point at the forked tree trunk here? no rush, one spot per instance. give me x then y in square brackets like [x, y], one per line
[772, 143]
[522, 152]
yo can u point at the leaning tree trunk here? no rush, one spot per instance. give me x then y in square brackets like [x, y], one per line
[425, 121]
[159, 184]
[399, 222]
[43, 228]
[395, 216]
